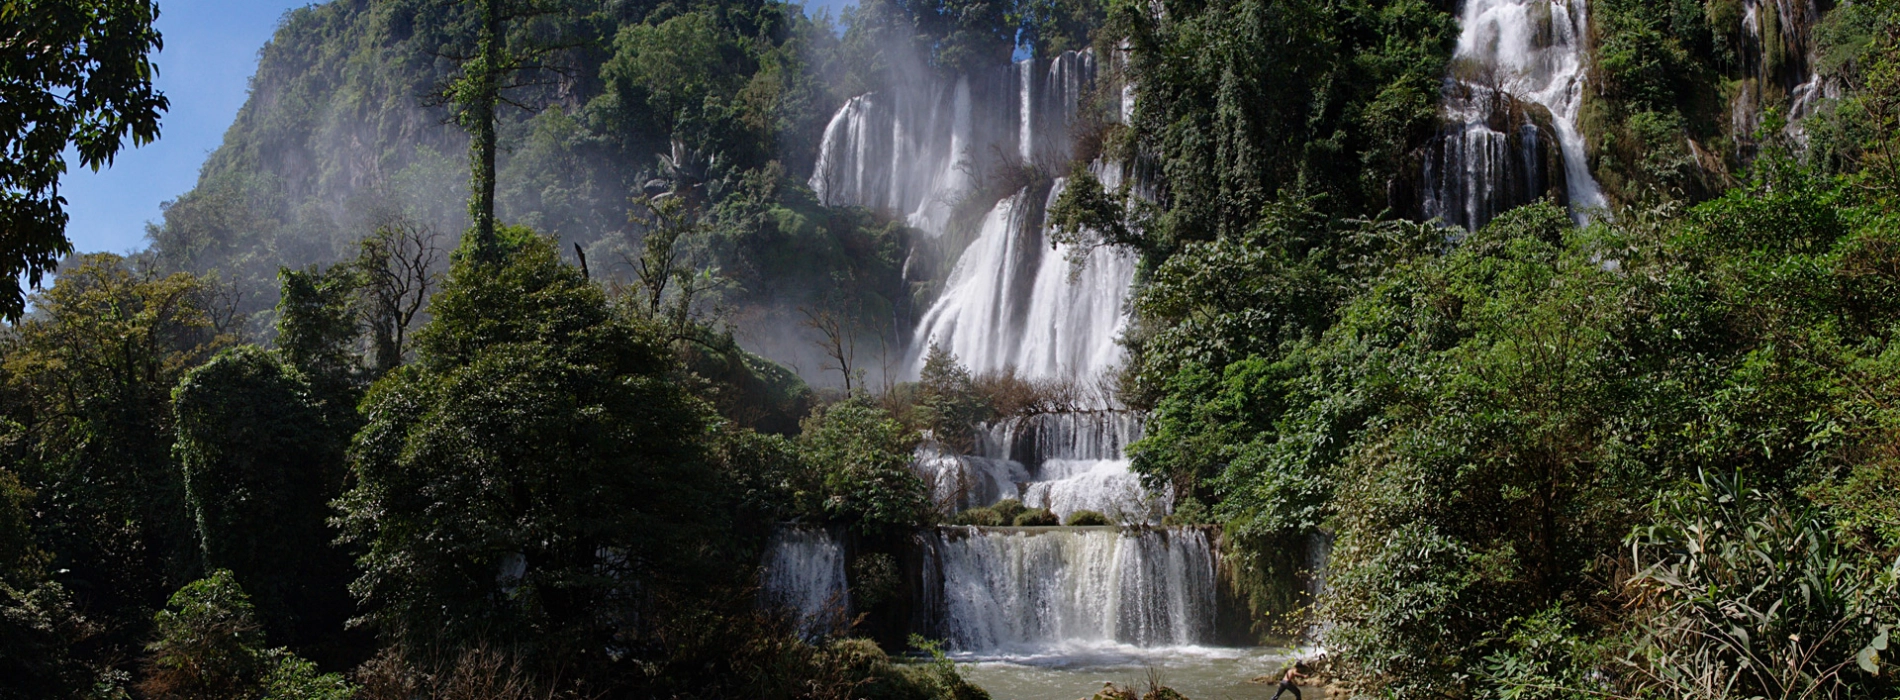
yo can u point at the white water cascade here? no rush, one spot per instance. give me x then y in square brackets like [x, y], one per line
[1016, 302]
[1014, 590]
[1013, 302]
[1061, 462]
[804, 575]
[1516, 81]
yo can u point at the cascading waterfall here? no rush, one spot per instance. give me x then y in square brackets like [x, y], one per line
[1012, 301]
[1516, 83]
[1049, 313]
[1062, 462]
[1011, 590]
[1079, 463]
[1778, 64]
[804, 574]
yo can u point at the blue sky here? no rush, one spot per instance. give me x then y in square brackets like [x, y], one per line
[209, 57]
[210, 53]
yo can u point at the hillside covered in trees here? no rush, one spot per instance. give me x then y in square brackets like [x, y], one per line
[1566, 328]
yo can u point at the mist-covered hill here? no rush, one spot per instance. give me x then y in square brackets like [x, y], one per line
[346, 130]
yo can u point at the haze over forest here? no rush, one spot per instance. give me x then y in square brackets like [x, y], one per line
[944, 348]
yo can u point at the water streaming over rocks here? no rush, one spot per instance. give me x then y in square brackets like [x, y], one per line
[1023, 589]
[1511, 109]
[1063, 462]
[1015, 302]
[804, 574]
[918, 149]
[1012, 300]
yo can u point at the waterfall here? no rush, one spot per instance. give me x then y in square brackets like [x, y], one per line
[911, 152]
[962, 482]
[1062, 462]
[1011, 301]
[803, 573]
[1015, 303]
[1779, 63]
[1516, 84]
[1006, 590]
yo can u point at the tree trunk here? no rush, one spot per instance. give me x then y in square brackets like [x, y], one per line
[486, 79]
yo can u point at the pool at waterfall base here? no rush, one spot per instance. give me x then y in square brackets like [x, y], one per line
[1068, 672]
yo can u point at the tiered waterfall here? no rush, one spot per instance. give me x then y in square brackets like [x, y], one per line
[1015, 301]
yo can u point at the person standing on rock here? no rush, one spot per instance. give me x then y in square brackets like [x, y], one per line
[1287, 682]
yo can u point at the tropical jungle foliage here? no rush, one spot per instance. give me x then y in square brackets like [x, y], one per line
[315, 443]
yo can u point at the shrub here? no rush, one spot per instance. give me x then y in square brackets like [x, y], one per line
[1008, 509]
[1087, 518]
[865, 455]
[1037, 517]
[980, 517]
[1751, 592]
[209, 647]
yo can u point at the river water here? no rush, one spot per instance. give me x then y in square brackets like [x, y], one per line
[1200, 673]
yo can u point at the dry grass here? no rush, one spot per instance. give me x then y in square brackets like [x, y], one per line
[480, 673]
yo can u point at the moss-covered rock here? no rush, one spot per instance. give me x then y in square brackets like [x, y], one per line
[1008, 509]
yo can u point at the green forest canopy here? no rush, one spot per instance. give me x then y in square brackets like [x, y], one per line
[1645, 457]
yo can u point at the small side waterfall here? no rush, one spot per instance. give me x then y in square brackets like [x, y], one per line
[1013, 590]
[804, 574]
[1779, 69]
[1515, 89]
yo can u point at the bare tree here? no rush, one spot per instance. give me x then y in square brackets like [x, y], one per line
[836, 338]
[398, 267]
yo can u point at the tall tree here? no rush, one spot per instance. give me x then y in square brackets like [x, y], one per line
[73, 73]
[87, 387]
[478, 92]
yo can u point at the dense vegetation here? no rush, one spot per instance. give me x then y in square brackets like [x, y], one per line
[308, 445]
[1638, 458]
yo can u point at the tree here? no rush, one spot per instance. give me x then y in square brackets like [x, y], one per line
[838, 338]
[208, 646]
[948, 400]
[316, 326]
[43, 640]
[487, 76]
[88, 383]
[398, 264]
[261, 463]
[73, 73]
[536, 476]
[865, 456]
